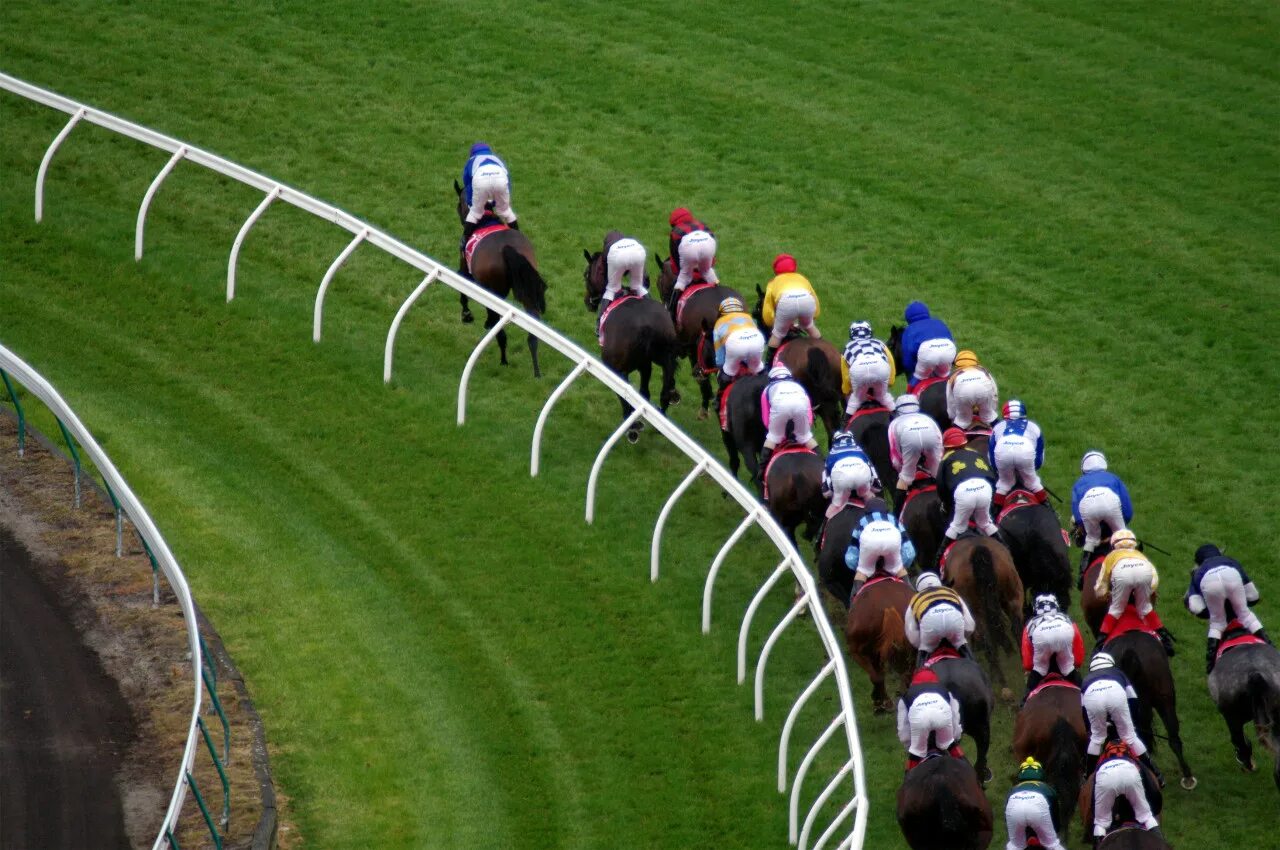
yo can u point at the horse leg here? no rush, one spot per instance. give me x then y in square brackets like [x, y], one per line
[1169, 716]
[467, 318]
[731, 448]
[704, 384]
[982, 742]
[491, 319]
[1240, 743]
[533, 353]
[633, 433]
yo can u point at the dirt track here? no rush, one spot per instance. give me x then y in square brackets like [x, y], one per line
[64, 726]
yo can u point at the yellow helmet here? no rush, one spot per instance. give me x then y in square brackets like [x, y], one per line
[1124, 539]
[965, 359]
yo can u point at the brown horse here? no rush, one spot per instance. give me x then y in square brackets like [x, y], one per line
[504, 262]
[933, 398]
[921, 515]
[981, 570]
[1134, 838]
[1142, 658]
[941, 806]
[815, 364]
[699, 312]
[1122, 813]
[1050, 727]
[793, 481]
[876, 636]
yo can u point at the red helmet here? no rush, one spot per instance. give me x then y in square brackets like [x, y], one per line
[678, 215]
[924, 676]
[784, 263]
[954, 438]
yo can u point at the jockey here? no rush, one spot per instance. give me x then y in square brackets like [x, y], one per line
[693, 250]
[784, 401]
[1032, 808]
[485, 180]
[789, 300]
[937, 613]
[624, 257]
[848, 471]
[964, 486]
[877, 536]
[1051, 642]
[871, 368]
[913, 436]
[1098, 496]
[738, 341]
[1128, 573]
[927, 345]
[1215, 581]
[1108, 696]
[1016, 451]
[928, 708]
[1117, 776]
[971, 388]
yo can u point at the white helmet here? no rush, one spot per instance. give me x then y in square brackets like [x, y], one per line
[906, 403]
[1045, 603]
[928, 580]
[1102, 661]
[779, 373]
[1093, 461]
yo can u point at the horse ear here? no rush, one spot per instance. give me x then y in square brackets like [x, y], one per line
[457, 190]
[586, 255]
[706, 326]
[759, 291]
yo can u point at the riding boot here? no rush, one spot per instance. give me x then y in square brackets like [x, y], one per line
[1084, 568]
[468, 229]
[853, 591]
[942, 554]
[921, 657]
[899, 501]
[955, 752]
[1033, 678]
[1262, 633]
[1145, 758]
[1073, 677]
[1211, 657]
[722, 380]
[1166, 640]
[965, 651]
[1091, 762]
[765, 456]
[769, 353]
[514, 224]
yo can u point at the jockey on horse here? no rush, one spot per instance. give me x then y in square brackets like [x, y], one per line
[1032, 809]
[913, 436]
[1051, 642]
[738, 342]
[928, 708]
[971, 388]
[789, 301]
[1098, 497]
[965, 484]
[1127, 574]
[927, 345]
[1118, 776]
[693, 251]
[1215, 581]
[1016, 451]
[485, 181]
[1108, 697]
[937, 613]
[785, 402]
[878, 536]
[622, 256]
[871, 368]
[848, 472]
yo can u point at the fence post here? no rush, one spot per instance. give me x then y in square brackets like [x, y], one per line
[48, 158]
[395, 324]
[599, 462]
[75, 456]
[244, 231]
[22, 417]
[140, 228]
[318, 318]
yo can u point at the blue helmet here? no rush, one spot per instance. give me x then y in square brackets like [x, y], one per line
[480, 147]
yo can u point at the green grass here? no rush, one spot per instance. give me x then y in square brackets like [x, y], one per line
[443, 654]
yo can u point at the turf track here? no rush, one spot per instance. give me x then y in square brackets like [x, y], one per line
[443, 654]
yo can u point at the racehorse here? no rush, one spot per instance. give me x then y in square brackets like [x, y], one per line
[637, 336]
[933, 397]
[1129, 832]
[1050, 727]
[793, 482]
[1133, 838]
[921, 515]
[830, 548]
[745, 434]
[1039, 550]
[815, 364]
[876, 636]
[981, 570]
[1245, 685]
[941, 806]
[968, 683]
[1092, 604]
[1142, 658]
[504, 262]
[700, 310]
[869, 425]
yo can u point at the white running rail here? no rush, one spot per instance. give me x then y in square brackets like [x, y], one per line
[137, 514]
[704, 463]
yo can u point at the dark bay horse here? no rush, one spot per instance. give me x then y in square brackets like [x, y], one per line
[793, 482]
[1142, 658]
[876, 635]
[1133, 838]
[1245, 685]
[637, 336]
[933, 398]
[700, 311]
[504, 262]
[1093, 604]
[921, 515]
[941, 806]
[970, 686]
[815, 364]
[981, 570]
[830, 549]
[869, 425]
[1051, 728]
[744, 439]
[1122, 813]
[1039, 550]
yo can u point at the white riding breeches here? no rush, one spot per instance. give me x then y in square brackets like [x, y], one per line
[870, 379]
[697, 252]
[1016, 459]
[942, 622]
[1099, 505]
[744, 348]
[490, 183]
[880, 539]
[973, 500]
[849, 476]
[1219, 586]
[971, 389]
[789, 404]
[1131, 577]
[918, 439]
[1052, 642]
[1027, 811]
[1119, 778]
[934, 358]
[795, 307]
[929, 714]
[626, 257]
[1106, 699]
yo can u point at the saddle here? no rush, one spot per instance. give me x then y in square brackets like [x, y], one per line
[922, 484]
[689, 290]
[470, 247]
[787, 449]
[1236, 635]
[1129, 621]
[1017, 498]
[1053, 680]
[942, 653]
[867, 408]
[919, 388]
[876, 578]
[608, 311]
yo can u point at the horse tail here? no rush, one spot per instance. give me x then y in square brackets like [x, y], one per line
[822, 378]
[984, 576]
[1265, 703]
[1049, 569]
[525, 281]
[893, 633]
[1062, 767]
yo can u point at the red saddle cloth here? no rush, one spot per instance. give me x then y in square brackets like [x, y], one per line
[475, 239]
[922, 484]
[942, 653]
[1129, 621]
[608, 311]
[788, 449]
[1053, 680]
[1017, 498]
[875, 579]
[1241, 639]
[684, 298]
[867, 408]
[918, 389]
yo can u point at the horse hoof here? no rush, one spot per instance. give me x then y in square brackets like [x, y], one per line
[633, 436]
[987, 776]
[1006, 695]
[675, 399]
[1247, 766]
[467, 318]
[1189, 783]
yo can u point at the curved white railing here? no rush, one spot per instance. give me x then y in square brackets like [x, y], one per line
[704, 463]
[137, 514]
